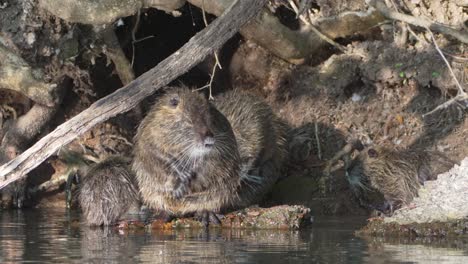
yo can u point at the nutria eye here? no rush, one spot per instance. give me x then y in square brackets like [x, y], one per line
[174, 101]
[372, 153]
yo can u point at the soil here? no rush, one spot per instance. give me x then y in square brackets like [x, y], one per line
[377, 92]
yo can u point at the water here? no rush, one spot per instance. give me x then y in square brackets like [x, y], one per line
[54, 236]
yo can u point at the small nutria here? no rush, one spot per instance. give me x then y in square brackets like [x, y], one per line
[194, 156]
[108, 192]
[398, 175]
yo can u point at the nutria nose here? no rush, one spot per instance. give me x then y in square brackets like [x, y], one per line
[209, 142]
[208, 138]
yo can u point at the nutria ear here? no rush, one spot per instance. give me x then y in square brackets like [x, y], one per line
[357, 144]
[372, 153]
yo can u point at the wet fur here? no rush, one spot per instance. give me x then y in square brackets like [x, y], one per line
[247, 138]
[398, 175]
[108, 191]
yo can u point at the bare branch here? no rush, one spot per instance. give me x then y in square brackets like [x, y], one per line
[420, 22]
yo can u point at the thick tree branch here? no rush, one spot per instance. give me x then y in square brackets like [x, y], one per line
[295, 46]
[103, 11]
[192, 53]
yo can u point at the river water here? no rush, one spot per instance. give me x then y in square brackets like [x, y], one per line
[57, 236]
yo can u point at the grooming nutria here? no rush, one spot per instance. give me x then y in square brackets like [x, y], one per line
[398, 175]
[195, 156]
[109, 192]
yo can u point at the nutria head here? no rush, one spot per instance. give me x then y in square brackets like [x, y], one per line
[183, 121]
[397, 174]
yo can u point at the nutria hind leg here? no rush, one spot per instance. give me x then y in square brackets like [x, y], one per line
[207, 217]
[164, 216]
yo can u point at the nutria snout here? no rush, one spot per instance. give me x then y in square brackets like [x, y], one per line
[193, 155]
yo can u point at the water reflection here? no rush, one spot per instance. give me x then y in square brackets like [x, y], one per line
[419, 250]
[45, 236]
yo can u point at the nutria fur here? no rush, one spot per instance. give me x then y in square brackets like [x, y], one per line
[398, 175]
[192, 155]
[108, 192]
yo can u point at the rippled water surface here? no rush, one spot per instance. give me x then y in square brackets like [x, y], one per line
[57, 236]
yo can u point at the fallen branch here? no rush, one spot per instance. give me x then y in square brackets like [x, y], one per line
[461, 96]
[202, 44]
[103, 11]
[420, 22]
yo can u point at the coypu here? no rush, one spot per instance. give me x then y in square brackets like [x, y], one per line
[397, 175]
[197, 156]
[108, 192]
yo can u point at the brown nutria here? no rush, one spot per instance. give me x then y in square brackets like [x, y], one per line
[398, 175]
[195, 156]
[108, 192]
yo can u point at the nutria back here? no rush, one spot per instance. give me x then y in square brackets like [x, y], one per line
[192, 155]
[261, 139]
[108, 192]
[397, 174]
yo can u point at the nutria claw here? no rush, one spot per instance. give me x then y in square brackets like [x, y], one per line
[207, 217]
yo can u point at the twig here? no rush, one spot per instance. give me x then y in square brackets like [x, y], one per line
[454, 56]
[420, 22]
[134, 30]
[319, 150]
[455, 99]
[461, 94]
[460, 88]
[346, 150]
[217, 64]
[213, 72]
[141, 39]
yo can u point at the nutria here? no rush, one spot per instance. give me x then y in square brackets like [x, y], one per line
[398, 175]
[108, 192]
[197, 156]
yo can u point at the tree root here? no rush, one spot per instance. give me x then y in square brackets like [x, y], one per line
[16, 74]
[296, 46]
[122, 65]
[103, 11]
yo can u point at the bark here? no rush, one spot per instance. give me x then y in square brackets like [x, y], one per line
[103, 11]
[16, 74]
[202, 44]
[295, 46]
